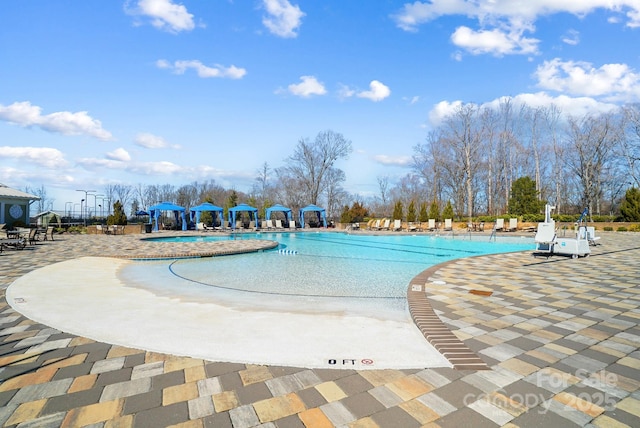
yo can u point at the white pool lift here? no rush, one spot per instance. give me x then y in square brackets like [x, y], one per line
[548, 243]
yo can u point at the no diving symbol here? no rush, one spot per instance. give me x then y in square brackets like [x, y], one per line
[367, 362]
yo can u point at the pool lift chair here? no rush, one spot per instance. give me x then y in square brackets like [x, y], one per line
[548, 243]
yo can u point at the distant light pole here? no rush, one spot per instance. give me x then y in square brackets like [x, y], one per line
[86, 198]
[74, 210]
[70, 208]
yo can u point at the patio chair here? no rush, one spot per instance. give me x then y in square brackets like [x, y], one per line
[279, 225]
[448, 224]
[499, 225]
[513, 225]
[375, 225]
[386, 224]
[48, 235]
[397, 225]
[33, 236]
[431, 225]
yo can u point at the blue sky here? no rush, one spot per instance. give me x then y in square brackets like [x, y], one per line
[160, 91]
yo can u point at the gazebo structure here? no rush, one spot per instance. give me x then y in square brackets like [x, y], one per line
[14, 206]
[46, 218]
[209, 207]
[319, 212]
[279, 208]
[253, 213]
[178, 212]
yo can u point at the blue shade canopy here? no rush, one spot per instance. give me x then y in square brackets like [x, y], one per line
[278, 208]
[155, 210]
[206, 206]
[320, 212]
[253, 213]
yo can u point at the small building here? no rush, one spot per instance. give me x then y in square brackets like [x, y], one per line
[14, 206]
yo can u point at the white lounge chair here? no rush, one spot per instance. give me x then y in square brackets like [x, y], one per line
[375, 225]
[448, 224]
[279, 225]
[386, 225]
[431, 224]
[397, 225]
[513, 225]
[499, 224]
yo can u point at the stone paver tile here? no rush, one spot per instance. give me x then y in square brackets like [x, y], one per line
[122, 351]
[278, 407]
[330, 391]
[244, 417]
[41, 390]
[437, 404]
[25, 412]
[254, 374]
[419, 411]
[126, 389]
[67, 361]
[93, 413]
[366, 423]
[200, 407]
[605, 421]
[381, 377]
[224, 401]
[315, 418]
[82, 383]
[194, 374]
[103, 366]
[181, 363]
[209, 386]
[630, 405]
[579, 404]
[337, 413]
[518, 366]
[125, 421]
[147, 370]
[178, 393]
[513, 404]
[42, 375]
[409, 387]
[491, 412]
[630, 362]
[387, 397]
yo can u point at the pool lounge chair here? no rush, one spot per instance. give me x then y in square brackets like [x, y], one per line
[386, 225]
[279, 225]
[397, 225]
[431, 225]
[513, 225]
[375, 225]
[448, 224]
[499, 225]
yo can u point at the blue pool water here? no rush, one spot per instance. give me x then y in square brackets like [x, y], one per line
[326, 263]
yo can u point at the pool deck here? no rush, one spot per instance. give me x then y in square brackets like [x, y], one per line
[560, 338]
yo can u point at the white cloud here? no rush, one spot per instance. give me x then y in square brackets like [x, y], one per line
[150, 141]
[378, 91]
[502, 23]
[573, 106]
[119, 154]
[64, 122]
[571, 37]
[308, 87]
[165, 15]
[496, 41]
[43, 156]
[345, 92]
[283, 18]
[180, 67]
[613, 82]
[392, 160]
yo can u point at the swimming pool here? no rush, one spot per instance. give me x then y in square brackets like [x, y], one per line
[316, 265]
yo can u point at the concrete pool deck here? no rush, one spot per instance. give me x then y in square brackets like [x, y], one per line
[560, 337]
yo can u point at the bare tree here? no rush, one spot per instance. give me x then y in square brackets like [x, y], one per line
[592, 140]
[44, 201]
[311, 162]
[630, 146]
